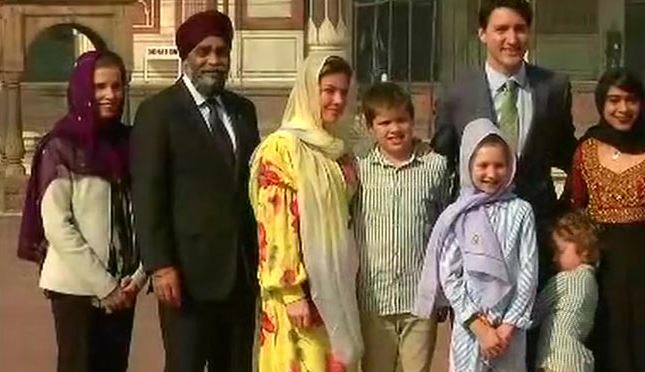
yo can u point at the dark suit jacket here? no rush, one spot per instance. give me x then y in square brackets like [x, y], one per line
[191, 205]
[550, 142]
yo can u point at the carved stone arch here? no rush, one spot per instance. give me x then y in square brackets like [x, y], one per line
[97, 38]
[108, 20]
[21, 21]
[50, 54]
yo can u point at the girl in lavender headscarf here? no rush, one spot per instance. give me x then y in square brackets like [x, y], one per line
[482, 259]
[77, 221]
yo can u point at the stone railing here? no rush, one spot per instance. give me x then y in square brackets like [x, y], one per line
[12, 189]
[30, 140]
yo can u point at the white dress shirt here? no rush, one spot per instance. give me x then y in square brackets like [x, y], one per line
[205, 110]
[496, 80]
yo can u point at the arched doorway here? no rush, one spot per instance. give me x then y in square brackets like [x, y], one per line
[50, 57]
[29, 36]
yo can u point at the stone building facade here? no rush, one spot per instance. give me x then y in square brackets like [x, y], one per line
[424, 44]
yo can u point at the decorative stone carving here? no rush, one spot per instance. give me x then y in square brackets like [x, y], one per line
[327, 28]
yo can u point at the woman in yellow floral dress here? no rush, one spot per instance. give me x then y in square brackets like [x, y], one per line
[300, 193]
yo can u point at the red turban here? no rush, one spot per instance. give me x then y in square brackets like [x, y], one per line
[199, 26]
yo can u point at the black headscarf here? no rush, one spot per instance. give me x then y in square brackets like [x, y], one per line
[633, 140]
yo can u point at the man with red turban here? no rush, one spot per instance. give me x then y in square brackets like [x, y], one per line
[191, 146]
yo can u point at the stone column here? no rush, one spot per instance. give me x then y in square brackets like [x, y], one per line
[3, 122]
[13, 147]
[327, 31]
[193, 6]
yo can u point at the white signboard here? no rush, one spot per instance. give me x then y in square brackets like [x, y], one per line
[160, 53]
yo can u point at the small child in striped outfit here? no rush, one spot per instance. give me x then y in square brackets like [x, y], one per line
[567, 304]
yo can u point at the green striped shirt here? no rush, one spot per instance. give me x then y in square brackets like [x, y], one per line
[393, 214]
[566, 306]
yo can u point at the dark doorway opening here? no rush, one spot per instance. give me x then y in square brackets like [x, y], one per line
[51, 56]
[635, 35]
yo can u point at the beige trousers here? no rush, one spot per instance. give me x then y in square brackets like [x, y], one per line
[397, 343]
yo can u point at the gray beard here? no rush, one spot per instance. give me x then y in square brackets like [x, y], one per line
[208, 86]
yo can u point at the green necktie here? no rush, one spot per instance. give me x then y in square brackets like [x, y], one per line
[509, 118]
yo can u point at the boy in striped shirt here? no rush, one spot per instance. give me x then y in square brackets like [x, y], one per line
[404, 186]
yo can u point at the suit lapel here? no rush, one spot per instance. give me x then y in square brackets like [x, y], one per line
[539, 98]
[484, 98]
[234, 113]
[195, 117]
[196, 120]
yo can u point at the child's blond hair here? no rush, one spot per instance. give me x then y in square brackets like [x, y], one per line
[576, 227]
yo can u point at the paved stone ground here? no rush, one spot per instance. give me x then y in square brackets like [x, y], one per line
[27, 341]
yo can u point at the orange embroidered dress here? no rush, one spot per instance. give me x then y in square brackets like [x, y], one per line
[608, 197]
[616, 201]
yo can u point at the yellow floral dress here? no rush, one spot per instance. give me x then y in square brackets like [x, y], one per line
[282, 275]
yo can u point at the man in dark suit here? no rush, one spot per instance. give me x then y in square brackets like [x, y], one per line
[191, 144]
[530, 104]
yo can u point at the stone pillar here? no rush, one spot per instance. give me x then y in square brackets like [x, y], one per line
[3, 122]
[191, 7]
[327, 31]
[13, 146]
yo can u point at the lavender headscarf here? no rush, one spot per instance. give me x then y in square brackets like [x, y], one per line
[78, 143]
[466, 217]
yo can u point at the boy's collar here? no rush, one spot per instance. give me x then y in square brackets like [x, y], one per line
[419, 148]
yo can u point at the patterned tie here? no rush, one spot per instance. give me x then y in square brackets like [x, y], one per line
[509, 118]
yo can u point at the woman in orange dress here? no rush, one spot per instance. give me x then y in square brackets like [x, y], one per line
[608, 181]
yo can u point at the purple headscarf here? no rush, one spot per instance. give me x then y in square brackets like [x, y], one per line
[466, 217]
[79, 143]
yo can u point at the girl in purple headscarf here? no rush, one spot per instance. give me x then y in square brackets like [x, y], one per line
[482, 259]
[77, 221]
